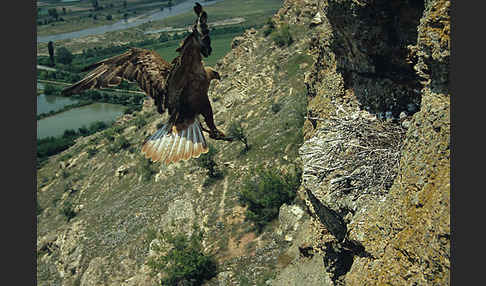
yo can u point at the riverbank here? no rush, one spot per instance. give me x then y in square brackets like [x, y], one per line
[242, 14]
[132, 102]
[80, 15]
[63, 109]
[90, 24]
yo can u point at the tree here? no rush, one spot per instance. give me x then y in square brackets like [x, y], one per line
[64, 56]
[53, 13]
[50, 47]
[95, 4]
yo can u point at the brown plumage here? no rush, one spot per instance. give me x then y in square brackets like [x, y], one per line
[143, 66]
[180, 87]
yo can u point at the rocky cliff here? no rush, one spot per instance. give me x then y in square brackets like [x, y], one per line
[376, 158]
[357, 97]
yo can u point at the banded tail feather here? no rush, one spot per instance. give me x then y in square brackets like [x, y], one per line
[169, 145]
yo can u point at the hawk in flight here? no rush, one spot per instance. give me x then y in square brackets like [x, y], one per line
[180, 88]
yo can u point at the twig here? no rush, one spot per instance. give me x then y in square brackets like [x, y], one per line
[227, 138]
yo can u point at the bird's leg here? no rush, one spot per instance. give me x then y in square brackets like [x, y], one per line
[216, 138]
[213, 131]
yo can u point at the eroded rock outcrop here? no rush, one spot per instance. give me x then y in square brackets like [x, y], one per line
[376, 60]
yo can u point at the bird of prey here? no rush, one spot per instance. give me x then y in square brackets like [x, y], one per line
[180, 87]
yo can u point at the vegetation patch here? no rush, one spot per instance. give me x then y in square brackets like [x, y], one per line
[54, 145]
[121, 143]
[264, 191]
[282, 37]
[148, 169]
[68, 210]
[237, 132]
[207, 162]
[182, 261]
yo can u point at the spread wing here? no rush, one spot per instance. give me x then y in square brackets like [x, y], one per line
[143, 66]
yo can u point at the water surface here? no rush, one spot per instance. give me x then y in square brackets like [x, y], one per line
[76, 118]
[47, 103]
[120, 25]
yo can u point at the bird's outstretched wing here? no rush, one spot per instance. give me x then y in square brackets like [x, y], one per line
[143, 66]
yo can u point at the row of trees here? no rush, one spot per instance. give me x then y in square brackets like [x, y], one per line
[54, 145]
[61, 55]
[64, 56]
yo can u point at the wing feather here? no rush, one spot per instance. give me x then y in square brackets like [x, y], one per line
[145, 67]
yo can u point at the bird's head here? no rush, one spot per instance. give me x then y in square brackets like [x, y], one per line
[212, 74]
[200, 31]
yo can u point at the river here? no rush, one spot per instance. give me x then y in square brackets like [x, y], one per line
[47, 103]
[75, 118]
[120, 25]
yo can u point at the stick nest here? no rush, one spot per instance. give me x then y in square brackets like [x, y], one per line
[356, 154]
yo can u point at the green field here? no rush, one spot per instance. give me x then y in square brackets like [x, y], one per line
[78, 15]
[221, 45]
[254, 12]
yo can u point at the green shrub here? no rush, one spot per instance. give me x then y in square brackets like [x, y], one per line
[121, 143]
[147, 169]
[184, 263]
[64, 56]
[52, 145]
[132, 108]
[49, 89]
[269, 27]
[140, 122]
[264, 191]
[207, 162]
[91, 151]
[276, 107]
[109, 134]
[83, 130]
[236, 131]
[118, 129]
[68, 211]
[97, 126]
[282, 36]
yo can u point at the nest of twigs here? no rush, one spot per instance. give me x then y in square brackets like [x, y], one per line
[355, 153]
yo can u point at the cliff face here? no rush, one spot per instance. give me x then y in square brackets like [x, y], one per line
[371, 78]
[376, 158]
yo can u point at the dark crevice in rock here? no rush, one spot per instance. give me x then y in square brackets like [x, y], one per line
[306, 251]
[372, 53]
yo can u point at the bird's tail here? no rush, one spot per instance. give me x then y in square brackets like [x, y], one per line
[170, 145]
